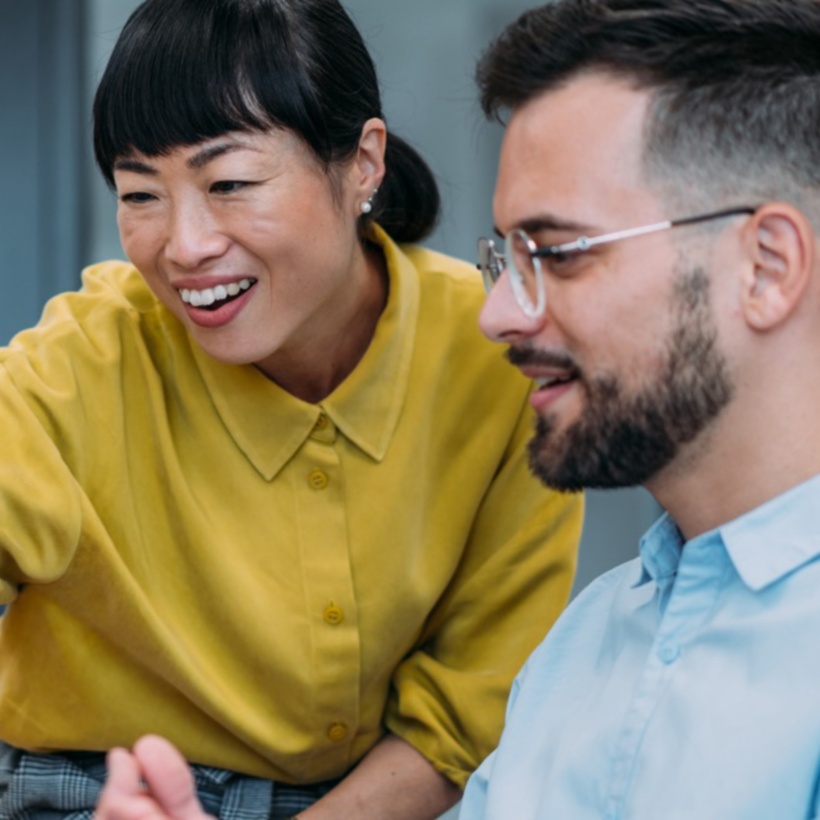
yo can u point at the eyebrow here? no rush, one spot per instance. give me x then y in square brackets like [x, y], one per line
[550, 223]
[199, 160]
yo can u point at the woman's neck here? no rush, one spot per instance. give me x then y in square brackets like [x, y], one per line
[321, 363]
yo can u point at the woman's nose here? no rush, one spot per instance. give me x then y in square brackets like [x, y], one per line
[194, 237]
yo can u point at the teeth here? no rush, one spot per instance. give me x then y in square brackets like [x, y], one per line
[209, 296]
[549, 381]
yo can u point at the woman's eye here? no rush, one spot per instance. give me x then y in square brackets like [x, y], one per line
[228, 186]
[137, 197]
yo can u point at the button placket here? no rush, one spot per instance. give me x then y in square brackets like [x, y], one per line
[333, 615]
[330, 591]
[318, 479]
[324, 430]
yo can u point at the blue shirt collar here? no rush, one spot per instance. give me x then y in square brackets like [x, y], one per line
[764, 545]
[777, 537]
[660, 550]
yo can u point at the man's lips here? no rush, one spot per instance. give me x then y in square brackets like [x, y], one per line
[546, 368]
[543, 382]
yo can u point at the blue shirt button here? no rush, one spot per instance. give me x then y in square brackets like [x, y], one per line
[669, 652]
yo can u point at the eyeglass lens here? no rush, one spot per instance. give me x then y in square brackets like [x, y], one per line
[490, 262]
[525, 271]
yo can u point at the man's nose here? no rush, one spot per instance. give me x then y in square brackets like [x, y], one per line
[501, 318]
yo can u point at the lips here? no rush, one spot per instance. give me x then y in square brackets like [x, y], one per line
[216, 306]
[215, 297]
[547, 368]
[550, 378]
[544, 382]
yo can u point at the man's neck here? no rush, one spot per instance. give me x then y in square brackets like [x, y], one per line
[725, 474]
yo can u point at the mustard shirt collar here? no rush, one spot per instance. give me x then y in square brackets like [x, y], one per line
[269, 424]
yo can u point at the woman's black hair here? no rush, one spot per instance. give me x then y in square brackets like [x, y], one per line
[184, 71]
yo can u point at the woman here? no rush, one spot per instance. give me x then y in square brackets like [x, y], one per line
[265, 489]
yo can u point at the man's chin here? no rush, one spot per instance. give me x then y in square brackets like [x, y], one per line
[550, 462]
[576, 460]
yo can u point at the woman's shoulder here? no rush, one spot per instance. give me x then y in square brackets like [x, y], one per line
[440, 269]
[116, 285]
[451, 295]
[112, 309]
[112, 294]
[450, 289]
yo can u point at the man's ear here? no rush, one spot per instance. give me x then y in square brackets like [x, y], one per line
[781, 245]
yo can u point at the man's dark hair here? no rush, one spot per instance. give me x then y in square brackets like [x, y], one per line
[183, 71]
[735, 86]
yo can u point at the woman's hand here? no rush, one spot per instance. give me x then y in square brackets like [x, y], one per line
[168, 792]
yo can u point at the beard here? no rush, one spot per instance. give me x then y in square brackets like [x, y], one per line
[623, 439]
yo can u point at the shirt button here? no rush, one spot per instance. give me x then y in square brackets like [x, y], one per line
[333, 615]
[337, 732]
[321, 423]
[317, 479]
[669, 652]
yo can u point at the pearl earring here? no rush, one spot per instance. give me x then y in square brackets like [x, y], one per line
[367, 205]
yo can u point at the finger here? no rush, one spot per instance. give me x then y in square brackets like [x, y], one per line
[123, 772]
[123, 797]
[169, 778]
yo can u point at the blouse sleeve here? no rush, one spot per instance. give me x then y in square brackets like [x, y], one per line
[448, 697]
[40, 501]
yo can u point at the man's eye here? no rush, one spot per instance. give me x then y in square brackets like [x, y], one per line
[228, 186]
[560, 262]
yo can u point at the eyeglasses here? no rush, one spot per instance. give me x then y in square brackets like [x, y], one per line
[522, 259]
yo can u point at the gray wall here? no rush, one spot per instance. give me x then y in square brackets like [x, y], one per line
[57, 215]
[42, 218]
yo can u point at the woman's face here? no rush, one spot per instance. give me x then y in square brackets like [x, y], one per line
[243, 239]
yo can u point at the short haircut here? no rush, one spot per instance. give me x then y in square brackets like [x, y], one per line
[183, 71]
[735, 84]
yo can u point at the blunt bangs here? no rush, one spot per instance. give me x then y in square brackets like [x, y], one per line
[184, 71]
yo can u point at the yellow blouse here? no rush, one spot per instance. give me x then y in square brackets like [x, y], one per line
[187, 549]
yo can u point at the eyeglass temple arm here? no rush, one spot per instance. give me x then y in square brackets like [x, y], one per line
[584, 242]
[691, 220]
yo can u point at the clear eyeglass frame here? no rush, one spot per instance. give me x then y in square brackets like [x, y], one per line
[521, 257]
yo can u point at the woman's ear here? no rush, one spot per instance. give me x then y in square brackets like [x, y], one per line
[369, 164]
[781, 244]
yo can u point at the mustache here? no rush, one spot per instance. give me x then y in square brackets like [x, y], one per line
[524, 355]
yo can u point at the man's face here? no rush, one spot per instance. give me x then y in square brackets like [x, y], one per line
[626, 358]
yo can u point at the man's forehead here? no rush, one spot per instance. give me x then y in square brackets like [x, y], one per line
[591, 106]
[582, 140]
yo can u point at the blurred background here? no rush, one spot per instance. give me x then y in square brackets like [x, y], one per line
[56, 215]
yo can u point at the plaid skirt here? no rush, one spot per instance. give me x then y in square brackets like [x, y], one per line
[67, 786]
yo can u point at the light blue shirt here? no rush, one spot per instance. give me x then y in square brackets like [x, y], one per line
[685, 684]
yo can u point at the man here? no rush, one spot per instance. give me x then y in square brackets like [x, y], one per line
[682, 356]
[659, 194]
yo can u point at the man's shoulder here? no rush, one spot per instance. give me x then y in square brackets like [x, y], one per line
[596, 609]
